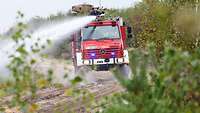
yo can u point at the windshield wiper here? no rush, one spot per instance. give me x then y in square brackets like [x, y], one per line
[105, 38]
[92, 31]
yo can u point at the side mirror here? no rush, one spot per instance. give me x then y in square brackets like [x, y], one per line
[129, 30]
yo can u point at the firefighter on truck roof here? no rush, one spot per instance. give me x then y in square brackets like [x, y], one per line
[96, 11]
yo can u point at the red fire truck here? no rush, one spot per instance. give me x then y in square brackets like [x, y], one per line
[101, 44]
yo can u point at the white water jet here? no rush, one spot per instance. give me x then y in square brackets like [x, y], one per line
[53, 33]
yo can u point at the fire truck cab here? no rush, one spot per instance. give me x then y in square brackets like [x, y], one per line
[101, 44]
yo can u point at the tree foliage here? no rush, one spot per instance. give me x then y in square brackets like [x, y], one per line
[164, 20]
[165, 63]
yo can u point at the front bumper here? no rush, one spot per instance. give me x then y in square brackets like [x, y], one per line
[123, 60]
[105, 61]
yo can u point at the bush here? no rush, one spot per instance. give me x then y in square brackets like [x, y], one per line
[169, 86]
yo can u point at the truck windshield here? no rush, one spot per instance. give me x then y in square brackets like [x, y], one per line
[100, 32]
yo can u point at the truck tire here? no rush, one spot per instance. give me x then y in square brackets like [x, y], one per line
[83, 70]
[125, 70]
[104, 67]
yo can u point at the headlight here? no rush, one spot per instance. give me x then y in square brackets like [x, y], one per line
[86, 62]
[93, 54]
[112, 53]
[120, 60]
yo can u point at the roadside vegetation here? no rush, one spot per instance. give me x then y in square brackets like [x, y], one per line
[24, 81]
[164, 59]
[168, 86]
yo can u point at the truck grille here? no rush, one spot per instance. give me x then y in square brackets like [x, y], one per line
[102, 53]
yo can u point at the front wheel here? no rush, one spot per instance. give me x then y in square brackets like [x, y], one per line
[125, 70]
[82, 70]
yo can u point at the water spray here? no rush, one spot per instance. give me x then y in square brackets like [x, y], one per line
[52, 33]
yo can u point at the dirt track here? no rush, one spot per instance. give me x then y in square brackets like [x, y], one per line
[55, 100]
[51, 100]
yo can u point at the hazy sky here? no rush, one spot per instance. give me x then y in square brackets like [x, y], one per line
[31, 8]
